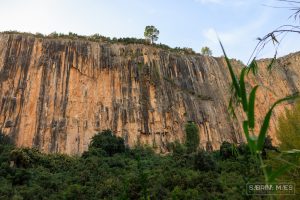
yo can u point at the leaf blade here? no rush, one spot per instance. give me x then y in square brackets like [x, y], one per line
[275, 174]
[251, 109]
[264, 127]
[243, 90]
[232, 74]
[253, 67]
[270, 65]
[249, 139]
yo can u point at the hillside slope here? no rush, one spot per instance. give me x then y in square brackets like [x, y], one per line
[55, 94]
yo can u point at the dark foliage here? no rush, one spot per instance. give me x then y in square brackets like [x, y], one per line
[192, 137]
[268, 146]
[108, 142]
[204, 161]
[4, 139]
[228, 150]
[110, 171]
[100, 38]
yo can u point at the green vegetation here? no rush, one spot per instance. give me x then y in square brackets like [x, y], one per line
[192, 137]
[289, 129]
[274, 169]
[100, 38]
[109, 170]
[151, 33]
[109, 143]
[206, 51]
[288, 133]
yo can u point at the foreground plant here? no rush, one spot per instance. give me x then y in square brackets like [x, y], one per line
[247, 101]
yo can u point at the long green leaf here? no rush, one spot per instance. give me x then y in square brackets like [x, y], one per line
[270, 65]
[249, 139]
[243, 90]
[231, 108]
[253, 67]
[232, 74]
[275, 174]
[265, 126]
[251, 108]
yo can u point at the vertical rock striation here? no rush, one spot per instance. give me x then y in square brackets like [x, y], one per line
[55, 94]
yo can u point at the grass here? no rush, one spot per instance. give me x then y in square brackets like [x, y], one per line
[240, 97]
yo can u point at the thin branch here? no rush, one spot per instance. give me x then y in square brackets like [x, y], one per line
[273, 36]
[290, 1]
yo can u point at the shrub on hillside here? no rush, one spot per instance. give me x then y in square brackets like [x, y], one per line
[192, 137]
[5, 139]
[108, 142]
[204, 161]
[228, 150]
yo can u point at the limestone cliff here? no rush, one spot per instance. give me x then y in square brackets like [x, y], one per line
[55, 94]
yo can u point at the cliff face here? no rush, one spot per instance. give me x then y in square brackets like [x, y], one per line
[56, 94]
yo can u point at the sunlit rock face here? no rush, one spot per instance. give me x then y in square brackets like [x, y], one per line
[55, 94]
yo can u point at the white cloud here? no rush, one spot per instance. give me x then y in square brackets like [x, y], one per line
[239, 41]
[236, 35]
[210, 34]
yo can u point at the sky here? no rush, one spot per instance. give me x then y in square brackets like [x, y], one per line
[182, 23]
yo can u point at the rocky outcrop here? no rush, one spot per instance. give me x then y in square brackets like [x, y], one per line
[55, 94]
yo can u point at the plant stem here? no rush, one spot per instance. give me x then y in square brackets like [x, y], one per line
[262, 164]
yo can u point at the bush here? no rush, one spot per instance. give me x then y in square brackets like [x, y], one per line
[204, 161]
[177, 148]
[244, 149]
[20, 158]
[228, 150]
[100, 38]
[192, 136]
[5, 139]
[108, 142]
[21, 177]
[138, 173]
[74, 192]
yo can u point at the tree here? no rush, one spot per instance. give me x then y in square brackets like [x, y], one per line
[289, 129]
[151, 33]
[192, 136]
[4, 139]
[204, 161]
[107, 142]
[206, 51]
[228, 150]
[240, 98]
